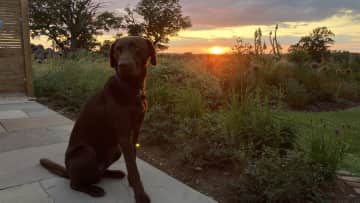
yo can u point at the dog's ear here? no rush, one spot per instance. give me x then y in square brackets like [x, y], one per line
[152, 52]
[113, 61]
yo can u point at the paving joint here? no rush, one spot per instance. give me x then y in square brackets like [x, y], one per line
[44, 189]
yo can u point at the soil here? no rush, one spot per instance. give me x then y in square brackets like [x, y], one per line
[209, 181]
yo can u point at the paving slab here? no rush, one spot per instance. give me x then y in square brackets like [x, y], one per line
[32, 138]
[22, 166]
[38, 122]
[39, 112]
[66, 128]
[25, 193]
[12, 114]
[13, 98]
[28, 105]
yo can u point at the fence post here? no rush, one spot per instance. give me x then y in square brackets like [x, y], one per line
[24, 4]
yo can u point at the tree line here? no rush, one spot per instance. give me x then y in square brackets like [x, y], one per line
[74, 24]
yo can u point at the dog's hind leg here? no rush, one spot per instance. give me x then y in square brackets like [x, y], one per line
[117, 174]
[84, 171]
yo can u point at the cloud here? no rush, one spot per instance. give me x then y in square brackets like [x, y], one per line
[217, 22]
[214, 13]
[263, 12]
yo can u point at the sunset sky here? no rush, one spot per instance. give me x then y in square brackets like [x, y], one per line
[219, 22]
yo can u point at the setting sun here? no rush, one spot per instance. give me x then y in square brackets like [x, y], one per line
[217, 50]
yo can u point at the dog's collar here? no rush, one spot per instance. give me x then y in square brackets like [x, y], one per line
[140, 91]
[141, 94]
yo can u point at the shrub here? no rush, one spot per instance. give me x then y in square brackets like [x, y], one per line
[249, 122]
[297, 176]
[189, 104]
[178, 99]
[349, 91]
[296, 94]
[326, 151]
[203, 143]
[274, 178]
[299, 56]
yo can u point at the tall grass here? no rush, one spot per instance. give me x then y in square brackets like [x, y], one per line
[327, 151]
[301, 84]
[70, 81]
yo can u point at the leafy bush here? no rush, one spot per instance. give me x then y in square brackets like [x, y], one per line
[178, 99]
[249, 123]
[296, 94]
[190, 104]
[349, 91]
[299, 175]
[327, 152]
[299, 56]
[274, 178]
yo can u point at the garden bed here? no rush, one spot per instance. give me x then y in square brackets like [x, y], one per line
[208, 180]
[233, 137]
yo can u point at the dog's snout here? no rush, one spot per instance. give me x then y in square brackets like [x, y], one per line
[124, 65]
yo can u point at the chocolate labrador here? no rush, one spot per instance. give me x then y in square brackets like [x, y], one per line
[109, 123]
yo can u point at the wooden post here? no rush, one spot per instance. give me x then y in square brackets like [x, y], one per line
[24, 4]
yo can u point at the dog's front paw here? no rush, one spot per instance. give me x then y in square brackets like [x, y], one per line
[130, 182]
[91, 190]
[114, 174]
[142, 198]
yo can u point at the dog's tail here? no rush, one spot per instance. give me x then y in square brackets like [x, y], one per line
[54, 168]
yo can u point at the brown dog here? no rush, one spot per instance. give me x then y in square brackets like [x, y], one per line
[109, 123]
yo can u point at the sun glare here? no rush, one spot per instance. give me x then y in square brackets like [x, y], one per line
[217, 50]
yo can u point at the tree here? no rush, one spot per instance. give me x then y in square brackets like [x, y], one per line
[70, 23]
[161, 19]
[317, 44]
[104, 48]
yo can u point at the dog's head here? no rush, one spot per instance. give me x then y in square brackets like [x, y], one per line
[129, 56]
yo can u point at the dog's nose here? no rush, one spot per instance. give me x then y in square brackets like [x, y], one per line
[124, 65]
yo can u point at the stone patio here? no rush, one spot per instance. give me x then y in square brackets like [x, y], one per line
[30, 131]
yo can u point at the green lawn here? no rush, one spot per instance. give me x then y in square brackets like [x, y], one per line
[338, 123]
